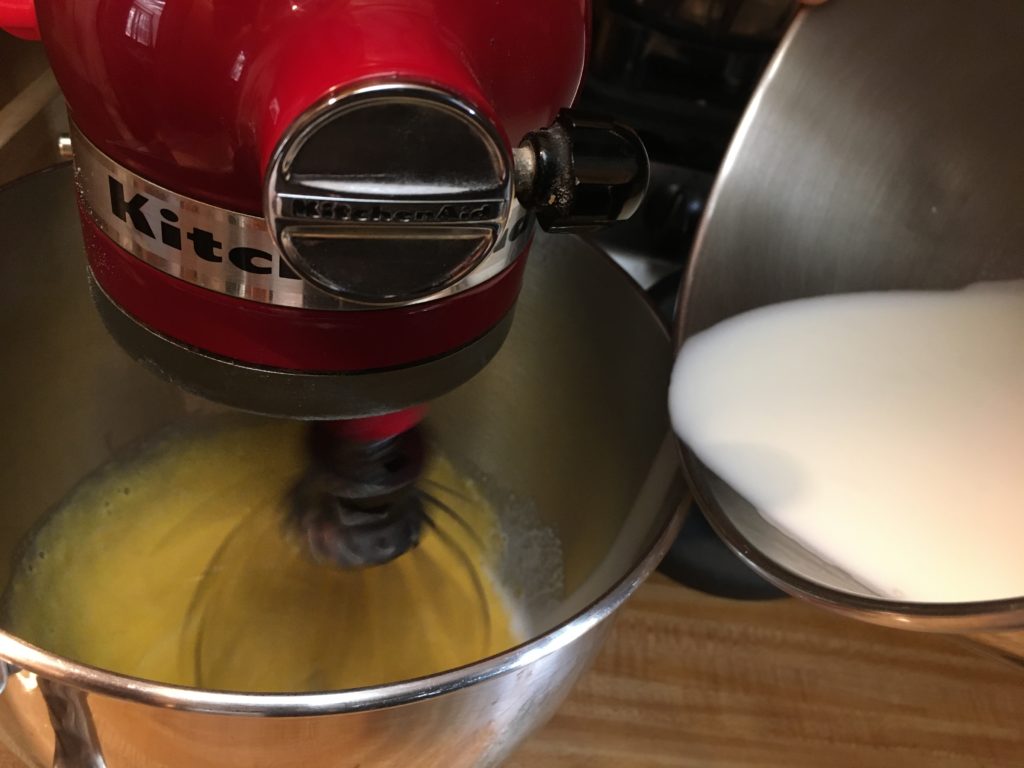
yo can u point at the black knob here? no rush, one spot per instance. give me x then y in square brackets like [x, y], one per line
[581, 173]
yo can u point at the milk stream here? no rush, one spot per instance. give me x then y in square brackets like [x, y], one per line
[883, 431]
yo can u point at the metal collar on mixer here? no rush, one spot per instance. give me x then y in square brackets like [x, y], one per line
[231, 252]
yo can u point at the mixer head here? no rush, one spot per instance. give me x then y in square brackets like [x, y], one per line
[381, 276]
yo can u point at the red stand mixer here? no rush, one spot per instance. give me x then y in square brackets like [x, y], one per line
[321, 209]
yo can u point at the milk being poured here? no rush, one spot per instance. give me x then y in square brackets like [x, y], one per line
[883, 431]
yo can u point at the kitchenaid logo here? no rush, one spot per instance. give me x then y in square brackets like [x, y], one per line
[341, 210]
[137, 212]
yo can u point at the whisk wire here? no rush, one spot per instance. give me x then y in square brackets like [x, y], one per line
[478, 586]
[453, 516]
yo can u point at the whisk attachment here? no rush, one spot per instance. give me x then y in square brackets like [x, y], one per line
[357, 506]
[371, 566]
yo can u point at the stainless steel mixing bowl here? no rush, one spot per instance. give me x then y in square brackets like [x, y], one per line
[881, 151]
[570, 415]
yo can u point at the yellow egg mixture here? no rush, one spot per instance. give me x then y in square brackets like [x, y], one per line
[175, 566]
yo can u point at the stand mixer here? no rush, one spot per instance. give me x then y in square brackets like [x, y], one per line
[322, 210]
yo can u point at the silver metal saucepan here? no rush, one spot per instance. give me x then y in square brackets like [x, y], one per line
[571, 415]
[882, 150]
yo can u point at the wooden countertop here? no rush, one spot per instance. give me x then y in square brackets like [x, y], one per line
[691, 681]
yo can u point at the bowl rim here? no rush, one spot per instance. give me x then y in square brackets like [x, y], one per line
[20, 655]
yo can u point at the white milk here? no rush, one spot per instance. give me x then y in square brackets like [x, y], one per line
[884, 431]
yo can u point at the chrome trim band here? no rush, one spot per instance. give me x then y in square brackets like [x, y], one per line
[226, 251]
